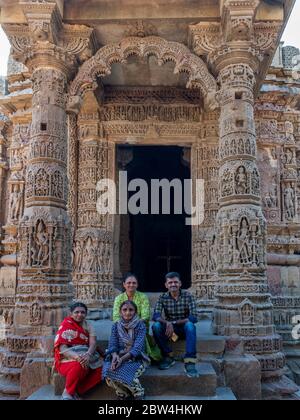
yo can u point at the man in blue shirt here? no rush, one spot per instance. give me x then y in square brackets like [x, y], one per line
[180, 316]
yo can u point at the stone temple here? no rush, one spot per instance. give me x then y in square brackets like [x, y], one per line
[184, 89]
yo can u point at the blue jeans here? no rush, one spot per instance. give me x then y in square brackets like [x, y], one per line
[186, 331]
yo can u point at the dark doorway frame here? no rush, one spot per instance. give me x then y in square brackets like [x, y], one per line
[159, 243]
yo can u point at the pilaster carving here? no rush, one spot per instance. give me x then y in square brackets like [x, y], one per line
[93, 241]
[205, 165]
[73, 167]
[277, 125]
[13, 157]
[4, 164]
[51, 51]
[234, 49]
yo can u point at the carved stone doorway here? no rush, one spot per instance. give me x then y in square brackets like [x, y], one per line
[153, 244]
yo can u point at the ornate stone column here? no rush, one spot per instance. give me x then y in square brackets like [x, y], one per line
[14, 150]
[51, 51]
[6, 298]
[244, 307]
[278, 138]
[236, 50]
[73, 165]
[3, 166]
[93, 241]
[13, 198]
[45, 229]
[205, 165]
[289, 177]
[15, 185]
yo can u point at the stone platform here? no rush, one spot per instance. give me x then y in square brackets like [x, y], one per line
[168, 382]
[171, 384]
[222, 394]
[225, 371]
[218, 368]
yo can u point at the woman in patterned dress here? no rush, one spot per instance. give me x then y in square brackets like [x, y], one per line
[82, 369]
[126, 360]
[130, 284]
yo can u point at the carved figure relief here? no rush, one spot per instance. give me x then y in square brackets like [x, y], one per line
[40, 246]
[241, 180]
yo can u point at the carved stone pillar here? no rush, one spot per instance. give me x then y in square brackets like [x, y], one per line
[289, 177]
[16, 182]
[15, 151]
[205, 165]
[14, 200]
[43, 289]
[237, 50]
[73, 167]
[244, 306]
[3, 167]
[93, 242]
[51, 51]
[6, 292]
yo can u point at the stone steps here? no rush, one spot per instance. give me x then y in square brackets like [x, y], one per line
[168, 382]
[175, 382]
[8, 388]
[222, 394]
[206, 345]
[16, 372]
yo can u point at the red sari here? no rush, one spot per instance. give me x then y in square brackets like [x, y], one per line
[78, 378]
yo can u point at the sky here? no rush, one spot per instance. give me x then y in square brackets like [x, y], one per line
[291, 36]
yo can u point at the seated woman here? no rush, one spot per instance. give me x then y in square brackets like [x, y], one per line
[75, 353]
[126, 360]
[130, 284]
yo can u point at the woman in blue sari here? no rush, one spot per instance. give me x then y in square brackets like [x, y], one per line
[126, 359]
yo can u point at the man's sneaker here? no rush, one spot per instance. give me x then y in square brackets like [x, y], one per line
[190, 370]
[166, 363]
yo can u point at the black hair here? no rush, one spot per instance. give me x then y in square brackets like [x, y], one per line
[129, 302]
[127, 275]
[171, 275]
[75, 305]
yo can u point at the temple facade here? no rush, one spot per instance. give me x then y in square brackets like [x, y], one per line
[95, 88]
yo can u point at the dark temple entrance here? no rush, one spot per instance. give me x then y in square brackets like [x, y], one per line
[159, 242]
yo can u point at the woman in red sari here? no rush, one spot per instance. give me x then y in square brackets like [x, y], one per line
[75, 353]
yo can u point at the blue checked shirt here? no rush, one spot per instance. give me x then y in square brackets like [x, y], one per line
[174, 310]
